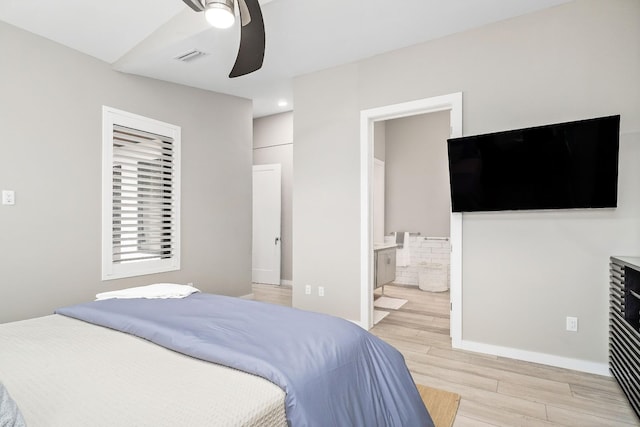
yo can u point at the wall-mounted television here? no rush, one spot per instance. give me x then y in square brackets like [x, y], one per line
[559, 166]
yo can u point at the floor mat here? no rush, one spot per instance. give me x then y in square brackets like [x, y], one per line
[390, 303]
[378, 315]
[442, 405]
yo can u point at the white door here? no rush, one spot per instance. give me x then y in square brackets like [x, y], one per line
[266, 224]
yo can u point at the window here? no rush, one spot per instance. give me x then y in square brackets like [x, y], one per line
[140, 195]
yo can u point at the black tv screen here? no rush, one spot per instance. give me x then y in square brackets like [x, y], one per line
[559, 166]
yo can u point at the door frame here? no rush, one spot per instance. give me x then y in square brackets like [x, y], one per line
[453, 103]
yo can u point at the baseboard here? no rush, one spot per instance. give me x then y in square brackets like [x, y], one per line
[283, 283]
[248, 296]
[535, 357]
[404, 285]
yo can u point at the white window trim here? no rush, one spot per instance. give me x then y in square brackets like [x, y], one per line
[111, 116]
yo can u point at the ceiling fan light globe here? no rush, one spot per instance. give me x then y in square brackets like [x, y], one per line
[220, 15]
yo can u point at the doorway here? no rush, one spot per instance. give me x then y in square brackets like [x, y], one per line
[453, 104]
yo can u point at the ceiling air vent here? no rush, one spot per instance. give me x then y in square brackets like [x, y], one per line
[190, 55]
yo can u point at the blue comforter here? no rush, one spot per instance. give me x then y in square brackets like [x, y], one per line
[333, 372]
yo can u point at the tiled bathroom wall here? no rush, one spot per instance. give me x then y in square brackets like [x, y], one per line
[429, 255]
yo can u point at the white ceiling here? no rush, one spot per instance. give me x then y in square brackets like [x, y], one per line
[144, 36]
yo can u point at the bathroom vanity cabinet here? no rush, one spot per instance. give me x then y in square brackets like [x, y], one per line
[385, 265]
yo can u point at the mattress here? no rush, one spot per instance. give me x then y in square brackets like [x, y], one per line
[65, 372]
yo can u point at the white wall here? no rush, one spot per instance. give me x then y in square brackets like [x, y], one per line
[417, 175]
[522, 272]
[51, 117]
[273, 143]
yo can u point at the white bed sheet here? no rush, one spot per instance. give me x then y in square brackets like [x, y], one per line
[65, 372]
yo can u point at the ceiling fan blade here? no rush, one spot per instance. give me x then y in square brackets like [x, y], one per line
[195, 5]
[252, 42]
[245, 16]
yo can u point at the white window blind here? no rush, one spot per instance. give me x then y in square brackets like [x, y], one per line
[141, 213]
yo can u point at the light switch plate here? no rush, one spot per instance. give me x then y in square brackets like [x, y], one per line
[8, 197]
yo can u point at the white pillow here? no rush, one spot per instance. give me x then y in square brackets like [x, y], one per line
[158, 290]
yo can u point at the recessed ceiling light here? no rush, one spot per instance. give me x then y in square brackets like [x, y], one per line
[282, 103]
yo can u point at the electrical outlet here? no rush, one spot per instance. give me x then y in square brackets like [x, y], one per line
[572, 324]
[320, 291]
[307, 290]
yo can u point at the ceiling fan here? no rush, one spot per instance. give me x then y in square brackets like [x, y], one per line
[221, 14]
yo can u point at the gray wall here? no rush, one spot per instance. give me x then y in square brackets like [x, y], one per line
[326, 190]
[51, 117]
[522, 272]
[416, 175]
[273, 143]
[379, 140]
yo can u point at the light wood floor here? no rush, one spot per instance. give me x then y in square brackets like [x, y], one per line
[495, 391]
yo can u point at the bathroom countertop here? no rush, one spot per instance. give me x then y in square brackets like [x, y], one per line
[380, 246]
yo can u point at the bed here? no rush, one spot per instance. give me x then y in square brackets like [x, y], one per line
[203, 360]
